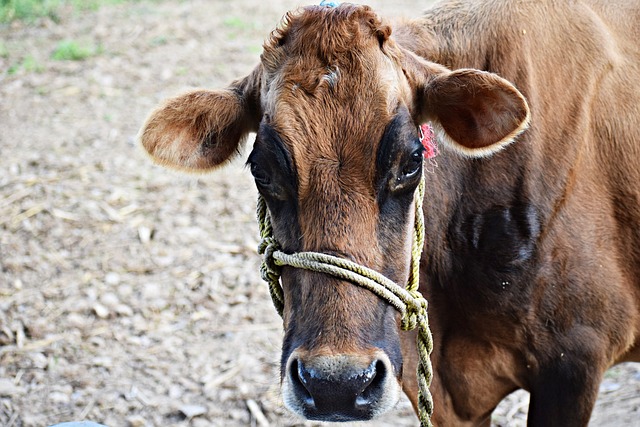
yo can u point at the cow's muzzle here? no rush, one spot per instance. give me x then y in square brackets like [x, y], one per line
[340, 387]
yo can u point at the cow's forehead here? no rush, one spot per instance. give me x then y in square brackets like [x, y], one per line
[336, 48]
[330, 35]
[339, 105]
[326, 75]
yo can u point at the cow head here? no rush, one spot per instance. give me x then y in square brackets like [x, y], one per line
[336, 103]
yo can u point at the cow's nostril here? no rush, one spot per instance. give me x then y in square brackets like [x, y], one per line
[299, 377]
[376, 373]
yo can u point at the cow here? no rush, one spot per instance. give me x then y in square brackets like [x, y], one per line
[531, 264]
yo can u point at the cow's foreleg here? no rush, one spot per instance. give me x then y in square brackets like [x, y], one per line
[564, 392]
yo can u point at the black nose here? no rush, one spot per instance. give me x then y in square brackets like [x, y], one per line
[330, 390]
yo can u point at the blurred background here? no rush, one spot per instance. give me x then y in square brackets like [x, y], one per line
[129, 294]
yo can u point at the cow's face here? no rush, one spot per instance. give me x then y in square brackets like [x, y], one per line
[336, 104]
[337, 159]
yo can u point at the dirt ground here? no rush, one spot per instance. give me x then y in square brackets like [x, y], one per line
[130, 295]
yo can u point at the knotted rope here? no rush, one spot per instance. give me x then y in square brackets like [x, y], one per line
[408, 301]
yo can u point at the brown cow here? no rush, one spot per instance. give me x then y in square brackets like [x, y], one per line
[532, 257]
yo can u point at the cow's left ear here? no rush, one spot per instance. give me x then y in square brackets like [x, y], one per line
[476, 112]
[200, 130]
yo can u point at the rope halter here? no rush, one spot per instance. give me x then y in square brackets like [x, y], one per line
[408, 301]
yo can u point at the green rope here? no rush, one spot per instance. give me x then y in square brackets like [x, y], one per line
[408, 301]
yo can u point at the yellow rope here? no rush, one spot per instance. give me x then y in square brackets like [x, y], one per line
[408, 301]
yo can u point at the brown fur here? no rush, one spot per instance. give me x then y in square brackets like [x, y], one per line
[531, 263]
[573, 62]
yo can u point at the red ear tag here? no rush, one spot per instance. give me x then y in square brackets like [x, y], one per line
[428, 140]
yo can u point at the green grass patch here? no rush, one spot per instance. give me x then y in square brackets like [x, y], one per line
[4, 50]
[28, 64]
[235, 22]
[30, 10]
[70, 50]
[27, 9]
[256, 49]
[237, 26]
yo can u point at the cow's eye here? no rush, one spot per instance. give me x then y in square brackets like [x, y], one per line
[262, 178]
[412, 168]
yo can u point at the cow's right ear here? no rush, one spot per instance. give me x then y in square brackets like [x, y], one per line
[201, 130]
